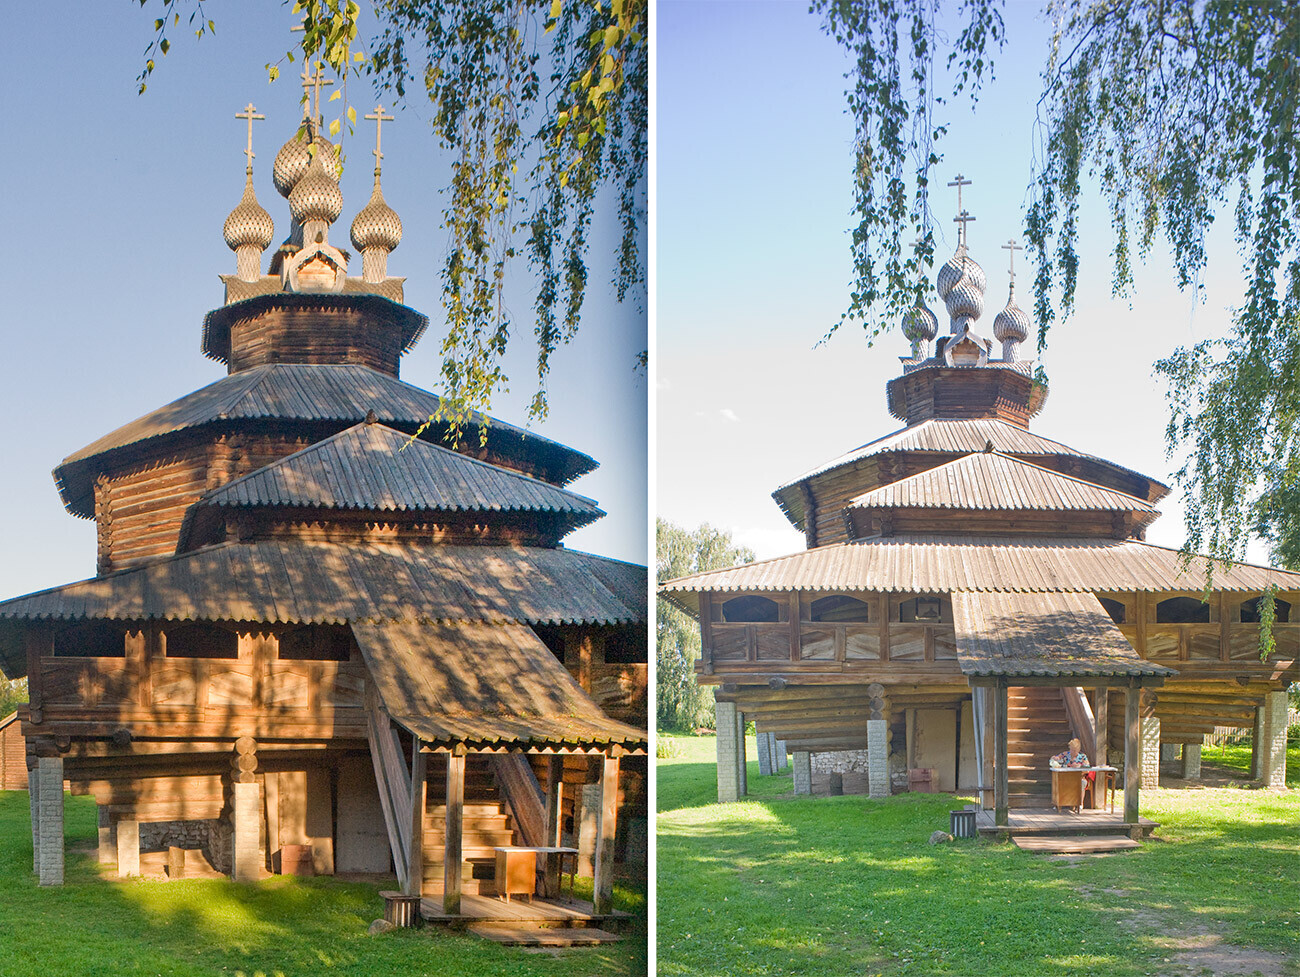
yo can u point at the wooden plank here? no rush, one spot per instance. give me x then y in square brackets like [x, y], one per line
[1132, 752]
[1000, 782]
[452, 851]
[392, 815]
[1073, 844]
[603, 883]
[415, 841]
[1101, 734]
[554, 824]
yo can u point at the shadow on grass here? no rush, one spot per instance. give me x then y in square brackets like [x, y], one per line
[93, 926]
[849, 885]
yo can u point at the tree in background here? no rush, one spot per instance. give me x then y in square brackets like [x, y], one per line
[542, 104]
[682, 703]
[1182, 112]
[13, 693]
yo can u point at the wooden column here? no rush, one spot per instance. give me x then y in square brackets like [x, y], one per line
[452, 854]
[1101, 741]
[553, 825]
[1000, 790]
[415, 839]
[1132, 752]
[603, 884]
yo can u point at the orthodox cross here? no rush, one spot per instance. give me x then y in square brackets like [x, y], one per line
[312, 83]
[1011, 248]
[380, 119]
[962, 217]
[250, 114]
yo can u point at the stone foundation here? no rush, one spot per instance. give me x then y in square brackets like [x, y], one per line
[840, 761]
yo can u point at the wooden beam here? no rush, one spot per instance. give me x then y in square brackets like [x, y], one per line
[603, 883]
[1000, 800]
[415, 840]
[1101, 735]
[1132, 753]
[554, 824]
[452, 852]
[378, 728]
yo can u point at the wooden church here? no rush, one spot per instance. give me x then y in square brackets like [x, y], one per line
[973, 594]
[322, 637]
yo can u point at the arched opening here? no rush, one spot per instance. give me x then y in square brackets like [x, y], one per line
[751, 609]
[1250, 611]
[1114, 608]
[200, 639]
[840, 609]
[1182, 610]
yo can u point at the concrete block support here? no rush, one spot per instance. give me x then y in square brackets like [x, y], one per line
[1257, 744]
[742, 764]
[1273, 756]
[728, 771]
[764, 744]
[877, 758]
[50, 772]
[1150, 752]
[128, 849]
[34, 799]
[1168, 751]
[782, 754]
[247, 855]
[1191, 761]
[803, 773]
[107, 843]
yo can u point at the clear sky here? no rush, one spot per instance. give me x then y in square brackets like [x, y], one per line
[754, 156]
[113, 206]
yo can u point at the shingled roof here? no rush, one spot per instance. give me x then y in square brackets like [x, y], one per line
[374, 467]
[943, 564]
[482, 684]
[1043, 635]
[338, 394]
[989, 480]
[309, 581]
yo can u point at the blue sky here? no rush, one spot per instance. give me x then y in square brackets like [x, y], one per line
[754, 156]
[113, 207]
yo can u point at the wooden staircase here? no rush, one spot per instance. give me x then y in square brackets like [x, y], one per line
[487, 824]
[1037, 729]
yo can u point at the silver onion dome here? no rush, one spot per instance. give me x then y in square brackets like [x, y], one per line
[249, 224]
[294, 159]
[961, 285]
[316, 196]
[377, 225]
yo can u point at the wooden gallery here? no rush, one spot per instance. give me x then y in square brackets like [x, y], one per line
[314, 644]
[973, 594]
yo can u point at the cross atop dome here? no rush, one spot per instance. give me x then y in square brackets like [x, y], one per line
[962, 217]
[379, 119]
[250, 113]
[1011, 247]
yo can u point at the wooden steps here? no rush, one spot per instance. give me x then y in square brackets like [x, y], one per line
[520, 934]
[486, 824]
[1037, 729]
[1074, 844]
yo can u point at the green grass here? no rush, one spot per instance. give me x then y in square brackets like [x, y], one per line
[284, 926]
[1237, 758]
[848, 885]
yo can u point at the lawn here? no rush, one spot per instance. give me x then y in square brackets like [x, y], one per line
[283, 927]
[778, 885]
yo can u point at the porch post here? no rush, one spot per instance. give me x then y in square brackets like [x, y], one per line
[1132, 752]
[1000, 799]
[1100, 740]
[452, 854]
[742, 767]
[603, 883]
[554, 820]
[415, 840]
[728, 770]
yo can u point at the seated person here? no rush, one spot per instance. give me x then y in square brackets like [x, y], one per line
[1071, 757]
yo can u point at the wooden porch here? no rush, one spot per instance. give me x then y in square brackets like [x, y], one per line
[561, 911]
[1030, 822]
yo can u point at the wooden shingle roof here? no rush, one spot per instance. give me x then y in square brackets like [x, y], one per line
[374, 467]
[312, 581]
[340, 394]
[482, 684]
[989, 480]
[943, 564]
[1042, 635]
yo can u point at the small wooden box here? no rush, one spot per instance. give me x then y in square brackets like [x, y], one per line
[516, 872]
[921, 780]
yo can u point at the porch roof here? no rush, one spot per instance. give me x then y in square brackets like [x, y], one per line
[1042, 634]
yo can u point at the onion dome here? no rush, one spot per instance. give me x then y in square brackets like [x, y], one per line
[920, 326]
[316, 196]
[248, 224]
[961, 284]
[377, 226]
[294, 159]
[1011, 327]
